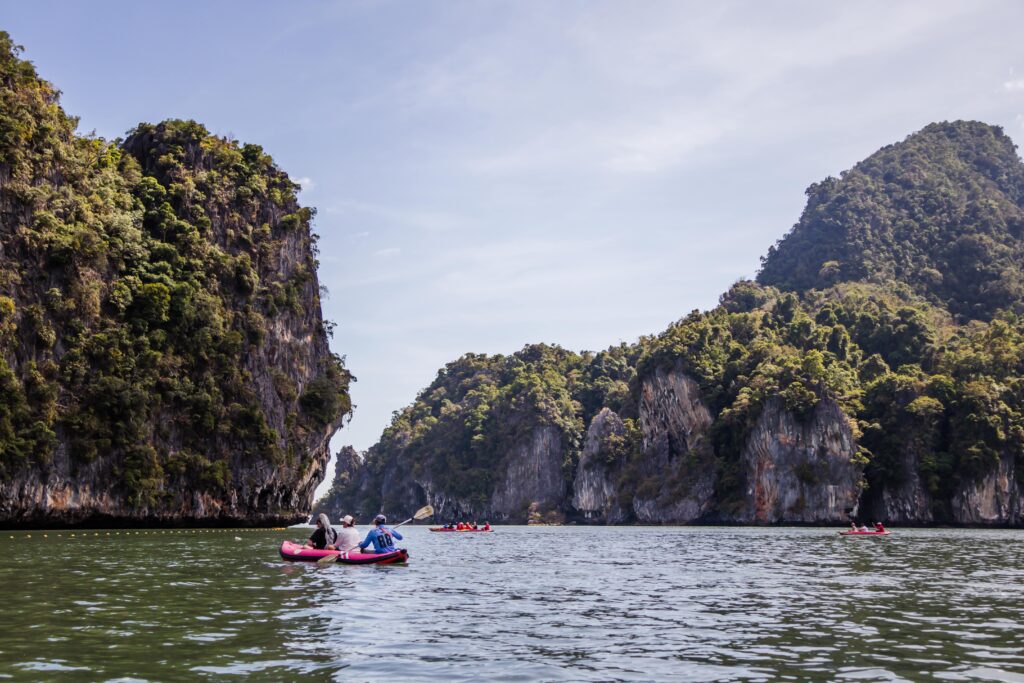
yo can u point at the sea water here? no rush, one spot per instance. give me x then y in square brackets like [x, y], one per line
[520, 604]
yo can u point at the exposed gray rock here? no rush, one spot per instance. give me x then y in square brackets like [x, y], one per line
[594, 494]
[674, 423]
[800, 472]
[993, 500]
[533, 476]
[673, 418]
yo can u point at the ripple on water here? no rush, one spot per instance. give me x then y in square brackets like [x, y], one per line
[527, 604]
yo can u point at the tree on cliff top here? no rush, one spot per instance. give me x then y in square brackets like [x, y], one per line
[942, 211]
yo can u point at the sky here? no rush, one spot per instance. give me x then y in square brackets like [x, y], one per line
[491, 174]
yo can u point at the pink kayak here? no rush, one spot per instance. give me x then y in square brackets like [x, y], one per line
[294, 552]
[864, 533]
[462, 531]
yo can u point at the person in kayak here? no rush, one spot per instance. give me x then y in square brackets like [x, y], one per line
[487, 526]
[348, 537]
[853, 526]
[324, 536]
[879, 528]
[381, 536]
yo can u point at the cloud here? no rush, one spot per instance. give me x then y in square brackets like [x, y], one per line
[647, 89]
[423, 219]
[306, 183]
[389, 251]
[1014, 86]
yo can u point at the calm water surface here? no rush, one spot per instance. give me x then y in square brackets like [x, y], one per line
[521, 604]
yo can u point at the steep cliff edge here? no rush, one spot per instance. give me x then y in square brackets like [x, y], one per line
[800, 471]
[674, 471]
[163, 358]
[595, 493]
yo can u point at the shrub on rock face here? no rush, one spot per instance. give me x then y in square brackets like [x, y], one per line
[326, 398]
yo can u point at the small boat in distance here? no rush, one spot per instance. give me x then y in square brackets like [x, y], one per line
[877, 530]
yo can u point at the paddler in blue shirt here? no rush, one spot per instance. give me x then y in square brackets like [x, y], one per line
[381, 536]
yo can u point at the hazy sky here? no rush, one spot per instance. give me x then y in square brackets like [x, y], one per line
[490, 174]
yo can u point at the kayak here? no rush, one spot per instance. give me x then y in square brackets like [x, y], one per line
[294, 552]
[864, 533]
[462, 531]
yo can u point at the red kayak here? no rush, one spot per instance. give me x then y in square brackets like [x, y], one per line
[462, 531]
[294, 552]
[864, 533]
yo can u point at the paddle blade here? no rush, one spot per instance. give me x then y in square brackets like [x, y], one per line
[424, 512]
[328, 559]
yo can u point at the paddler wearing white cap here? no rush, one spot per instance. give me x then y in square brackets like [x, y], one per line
[348, 537]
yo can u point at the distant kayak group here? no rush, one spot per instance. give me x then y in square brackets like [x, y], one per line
[877, 530]
[463, 526]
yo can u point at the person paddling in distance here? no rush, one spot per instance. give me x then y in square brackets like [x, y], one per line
[324, 536]
[381, 536]
[348, 537]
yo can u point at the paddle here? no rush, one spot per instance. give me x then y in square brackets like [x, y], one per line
[422, 513]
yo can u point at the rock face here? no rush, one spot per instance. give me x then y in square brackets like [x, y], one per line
[673, 418]
[595, 495]
[533, 481]
[676, 470]
[905, 503]
[800, 472]
[995, 500]
[163, 357]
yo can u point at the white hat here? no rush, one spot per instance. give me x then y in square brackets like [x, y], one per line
[348, 519]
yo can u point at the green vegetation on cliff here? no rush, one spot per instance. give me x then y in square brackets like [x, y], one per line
[942, 211]
[138, 282]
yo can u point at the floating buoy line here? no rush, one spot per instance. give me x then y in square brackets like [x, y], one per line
[149, 532]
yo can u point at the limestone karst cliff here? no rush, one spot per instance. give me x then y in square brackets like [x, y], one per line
[875, 370]
[163, 358]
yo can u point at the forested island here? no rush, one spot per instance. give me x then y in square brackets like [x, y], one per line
[873, 369]
[163, 358]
